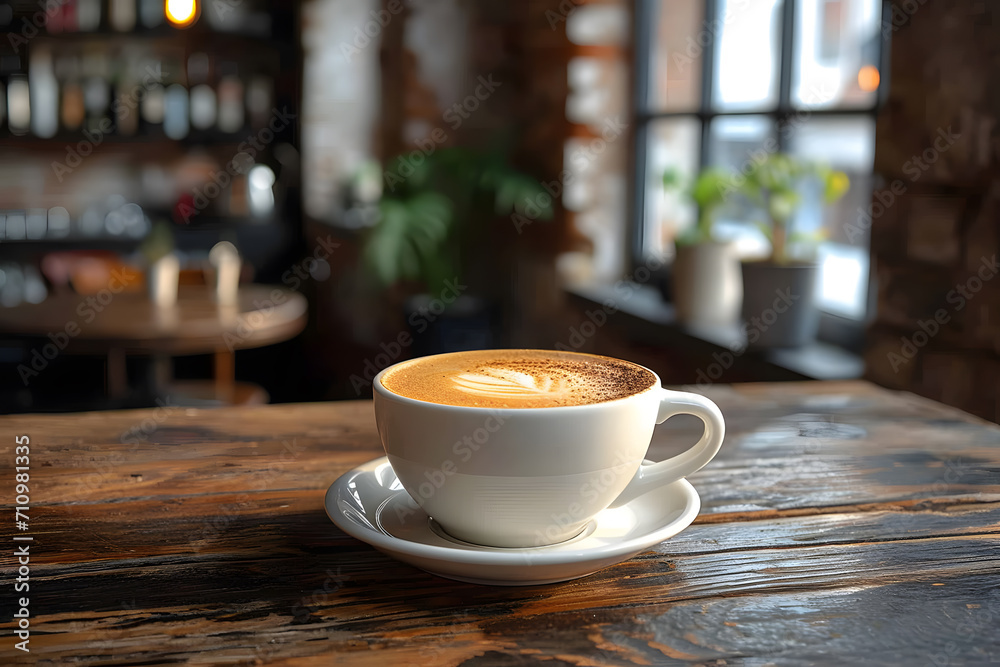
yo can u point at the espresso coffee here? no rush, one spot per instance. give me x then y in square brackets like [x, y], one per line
[517, 379]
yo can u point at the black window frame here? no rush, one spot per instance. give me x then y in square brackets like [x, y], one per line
[839, 330]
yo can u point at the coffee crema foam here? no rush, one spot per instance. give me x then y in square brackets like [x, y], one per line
[517, 379]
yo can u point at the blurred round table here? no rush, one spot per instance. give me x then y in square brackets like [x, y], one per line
[128, 323]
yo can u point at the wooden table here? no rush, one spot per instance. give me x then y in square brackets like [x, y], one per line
[841, 524]
[129, 323]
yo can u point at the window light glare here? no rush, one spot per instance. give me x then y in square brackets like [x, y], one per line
[842, 281]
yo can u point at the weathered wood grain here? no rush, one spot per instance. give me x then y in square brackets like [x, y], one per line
[865, 448]
[347, 594]
[842, 524]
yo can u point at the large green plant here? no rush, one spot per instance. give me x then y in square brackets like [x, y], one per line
[428, 222]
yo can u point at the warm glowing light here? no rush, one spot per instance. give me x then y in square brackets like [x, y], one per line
[868, 78]
[181, 12]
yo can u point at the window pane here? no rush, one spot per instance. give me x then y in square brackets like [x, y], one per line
[732, 141]
[733, 138]
[843, 279]
[845, 143]
[672, 145]
[848, 144]
[676, 62]
[747, 55]
[837, 53]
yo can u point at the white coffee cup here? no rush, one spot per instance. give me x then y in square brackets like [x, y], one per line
[526, 477]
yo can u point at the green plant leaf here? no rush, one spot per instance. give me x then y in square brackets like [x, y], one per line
[782, 205]
[814, 237]
[383, 247]
[835, 185]
[672, 178]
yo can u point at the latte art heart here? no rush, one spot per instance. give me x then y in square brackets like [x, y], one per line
[503, 382]
[516, 379]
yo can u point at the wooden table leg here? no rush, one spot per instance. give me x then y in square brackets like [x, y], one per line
[225, 375]
[161, 375]
[116, 378]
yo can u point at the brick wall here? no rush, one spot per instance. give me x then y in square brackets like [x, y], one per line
[935, 222]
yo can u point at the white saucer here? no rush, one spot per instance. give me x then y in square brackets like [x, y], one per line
[370, 504]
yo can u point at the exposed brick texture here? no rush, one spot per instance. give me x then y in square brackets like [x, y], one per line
[934, 250]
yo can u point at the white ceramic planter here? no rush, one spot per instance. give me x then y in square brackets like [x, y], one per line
[707, 284]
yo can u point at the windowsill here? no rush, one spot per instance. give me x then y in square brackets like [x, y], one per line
[816, 361]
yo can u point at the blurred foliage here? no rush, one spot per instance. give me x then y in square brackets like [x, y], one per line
[430, 207]
[158, 243]
[772, 187]
[708, 192]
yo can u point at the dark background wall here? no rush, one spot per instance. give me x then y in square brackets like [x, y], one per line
[936, 220]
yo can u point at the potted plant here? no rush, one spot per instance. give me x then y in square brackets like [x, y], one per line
[432, 238]
[779, 293]
[706, 288]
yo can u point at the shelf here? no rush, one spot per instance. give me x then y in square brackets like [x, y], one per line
[816, 361]
[63, 141]
[184, 235]
[23, 249]
[261, 36]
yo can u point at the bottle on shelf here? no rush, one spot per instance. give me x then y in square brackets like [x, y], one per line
[44, 93]
[152, 106]
[12, 291]
[59, 222]
[96, 91]
[18, 105]
[122, 15]
[128, 93]
[53, 19]
[35, 223]
[72, 111]
[203, 101]
[231, 108]
[150, 13]
[125, 107]
[260, 95]
[85, 18]
[70, 94]
[15, 226]
[175, 111]
[96, 99]
[62, 17]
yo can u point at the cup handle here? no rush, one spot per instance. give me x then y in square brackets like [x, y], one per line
[652, 475]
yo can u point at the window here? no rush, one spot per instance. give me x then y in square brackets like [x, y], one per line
[717, 79]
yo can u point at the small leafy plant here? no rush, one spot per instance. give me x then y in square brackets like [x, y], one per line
[772, 187]
[708, 192]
